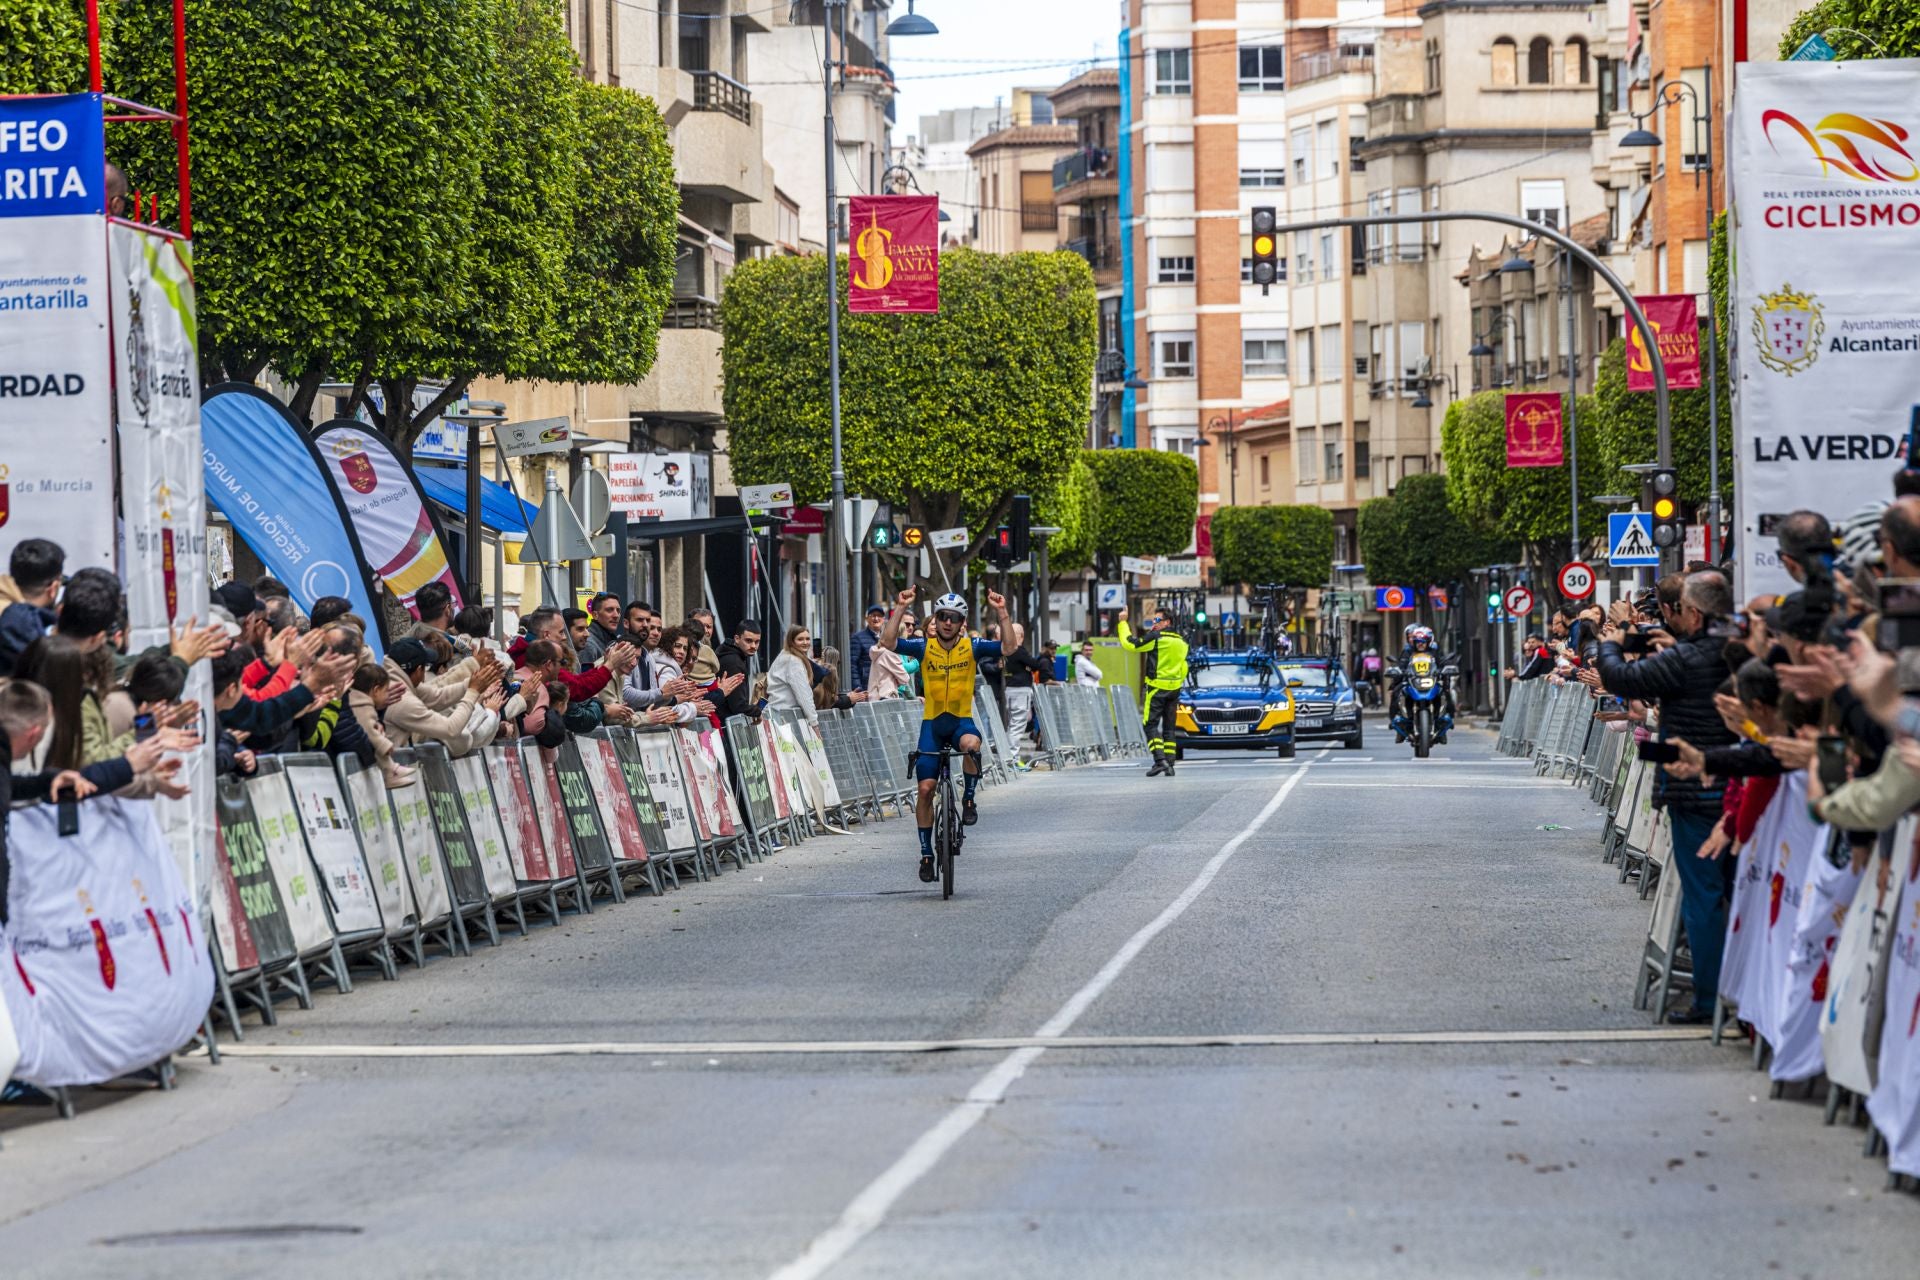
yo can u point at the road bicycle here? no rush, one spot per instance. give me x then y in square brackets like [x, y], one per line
[949, 833]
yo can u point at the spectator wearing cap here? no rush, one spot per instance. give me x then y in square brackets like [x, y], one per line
[409, 720]
[30, 587]
[860, 650]
[238, 599]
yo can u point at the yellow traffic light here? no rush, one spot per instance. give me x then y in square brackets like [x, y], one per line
[1663, 508]
[1262, 246]
[913, 536]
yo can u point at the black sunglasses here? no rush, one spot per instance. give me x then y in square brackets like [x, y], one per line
[948, 617]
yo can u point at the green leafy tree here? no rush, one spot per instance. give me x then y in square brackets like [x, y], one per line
[1289, 545]
[1415, 539]
[1629, 432]
[947, 415]
[337, 164]
[619, 277]
[1148, 501]
[1530, 505]
[1859, 28]
[43, 45]
[1074, 509]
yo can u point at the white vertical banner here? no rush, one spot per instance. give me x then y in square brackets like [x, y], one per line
[1825, 324]
[163, 496]
[56, 413]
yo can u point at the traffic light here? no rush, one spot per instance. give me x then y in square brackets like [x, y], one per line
[882, 536]
[1493, 599]
[1661, 497]
[1266, 247]
[1000, 551]
[913, 537]
[1020, 521]
[1199, 615]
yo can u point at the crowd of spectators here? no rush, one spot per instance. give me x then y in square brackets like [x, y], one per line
[1824, 681]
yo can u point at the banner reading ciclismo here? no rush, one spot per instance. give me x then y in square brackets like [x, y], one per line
[1826, 322]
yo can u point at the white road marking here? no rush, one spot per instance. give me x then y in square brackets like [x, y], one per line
[802, 1048]
[1481, 783]
[869, 1209]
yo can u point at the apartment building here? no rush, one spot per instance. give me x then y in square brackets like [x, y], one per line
[1013, 208]
[1086, 194]
[1484, 107]
[1203, 88]
[692, 57]
[1534, 328]
[786, 50]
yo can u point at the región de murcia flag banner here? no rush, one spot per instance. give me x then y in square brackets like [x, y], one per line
[1675, 318]
[1826, 323]
[895, 260]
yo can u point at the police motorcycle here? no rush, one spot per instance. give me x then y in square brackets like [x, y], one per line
[1424, 698]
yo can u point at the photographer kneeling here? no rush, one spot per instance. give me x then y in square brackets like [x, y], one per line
[1681, 680]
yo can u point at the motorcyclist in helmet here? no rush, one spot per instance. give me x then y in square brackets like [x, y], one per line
[1420, 639]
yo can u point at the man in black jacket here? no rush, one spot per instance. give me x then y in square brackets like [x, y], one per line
[26, 713]
[1682, 680]
[736, 659]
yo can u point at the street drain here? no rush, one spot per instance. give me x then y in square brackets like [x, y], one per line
[269, 1233]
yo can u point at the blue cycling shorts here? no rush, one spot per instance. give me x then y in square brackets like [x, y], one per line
[941, 731]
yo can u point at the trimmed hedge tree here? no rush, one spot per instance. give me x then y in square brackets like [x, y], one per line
[946, 415]
[1291, 545]
[1073, 508]
[1414, 538]
[1148, 501]
[1518, 504]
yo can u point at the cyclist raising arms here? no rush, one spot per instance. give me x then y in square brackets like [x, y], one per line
[947, 658]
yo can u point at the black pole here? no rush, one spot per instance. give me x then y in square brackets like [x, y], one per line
[473, 534]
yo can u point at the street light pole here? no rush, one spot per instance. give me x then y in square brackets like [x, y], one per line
[1573, 403]
[836, 517]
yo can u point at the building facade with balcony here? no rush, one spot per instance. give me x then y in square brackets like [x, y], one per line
[692, 58]
[1204, 103]
[1541, 328]
[1481, 107]
[786, 53]
[1086, 195]
[1013, 188]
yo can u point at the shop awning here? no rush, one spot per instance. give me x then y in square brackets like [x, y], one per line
[654, 530]
[500, 511]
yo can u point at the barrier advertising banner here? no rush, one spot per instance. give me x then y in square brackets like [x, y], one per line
[109, 968]
[334, 844]
[517, 817]
[163, 498]
[1857, 996]
[646, 811]
[247, 913]
[264, 476]
[895, 264]
[397, 533]
[549, 811]
[1895, 1101]
[380, 846]
[671, 789]
[484, 825]
[1534, 438]
[56, 407]
[1676, 327]
[1825, 322]
[279, 828]
[413, 827]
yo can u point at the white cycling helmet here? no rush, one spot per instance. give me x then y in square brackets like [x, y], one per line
[952, 602]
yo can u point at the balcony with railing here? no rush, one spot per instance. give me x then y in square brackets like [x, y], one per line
[692, 313]
[1088, 173]
[1038, 217]
[1101, 255]
[713, 91]
[1309, 67]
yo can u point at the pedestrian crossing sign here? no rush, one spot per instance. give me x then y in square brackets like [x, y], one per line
[1630, 540]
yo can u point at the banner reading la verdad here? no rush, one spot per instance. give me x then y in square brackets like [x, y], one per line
[1826, 321]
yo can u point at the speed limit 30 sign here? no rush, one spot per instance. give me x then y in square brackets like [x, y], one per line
[1576, 580]
[1519, 601]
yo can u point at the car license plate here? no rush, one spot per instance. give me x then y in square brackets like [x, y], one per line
[1228, 728]
[1310, 722]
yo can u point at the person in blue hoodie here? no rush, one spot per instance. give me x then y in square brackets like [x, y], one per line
[34, 572]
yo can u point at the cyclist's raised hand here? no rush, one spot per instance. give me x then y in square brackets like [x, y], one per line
[905, 598]
[998, 601]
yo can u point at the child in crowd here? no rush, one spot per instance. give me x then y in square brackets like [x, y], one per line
[367, 699]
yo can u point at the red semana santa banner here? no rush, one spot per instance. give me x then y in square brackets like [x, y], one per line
[1676, 327]
[895, 263]
[1534, 438]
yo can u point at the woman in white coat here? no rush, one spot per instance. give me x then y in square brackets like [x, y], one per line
[669, 664]
[790, 678]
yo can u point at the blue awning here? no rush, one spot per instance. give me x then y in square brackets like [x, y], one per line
[500, 511]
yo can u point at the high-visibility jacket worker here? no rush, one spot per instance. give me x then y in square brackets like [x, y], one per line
[1168, 653]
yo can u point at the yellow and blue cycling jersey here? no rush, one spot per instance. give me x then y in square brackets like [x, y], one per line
[946, 678]
[947, 674]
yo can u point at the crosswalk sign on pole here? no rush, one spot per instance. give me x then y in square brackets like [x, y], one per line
[1630, 540]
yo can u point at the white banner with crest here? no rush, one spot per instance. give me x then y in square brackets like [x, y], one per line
[1825, 323]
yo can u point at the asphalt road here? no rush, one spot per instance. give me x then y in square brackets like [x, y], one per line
[1446, 1077]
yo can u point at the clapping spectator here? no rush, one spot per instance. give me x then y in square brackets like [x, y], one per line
[409, 720]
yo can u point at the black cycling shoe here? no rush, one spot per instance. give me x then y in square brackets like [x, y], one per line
[969, 813]
[926, 869]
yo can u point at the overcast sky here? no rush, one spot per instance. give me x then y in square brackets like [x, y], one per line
[986, 47]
